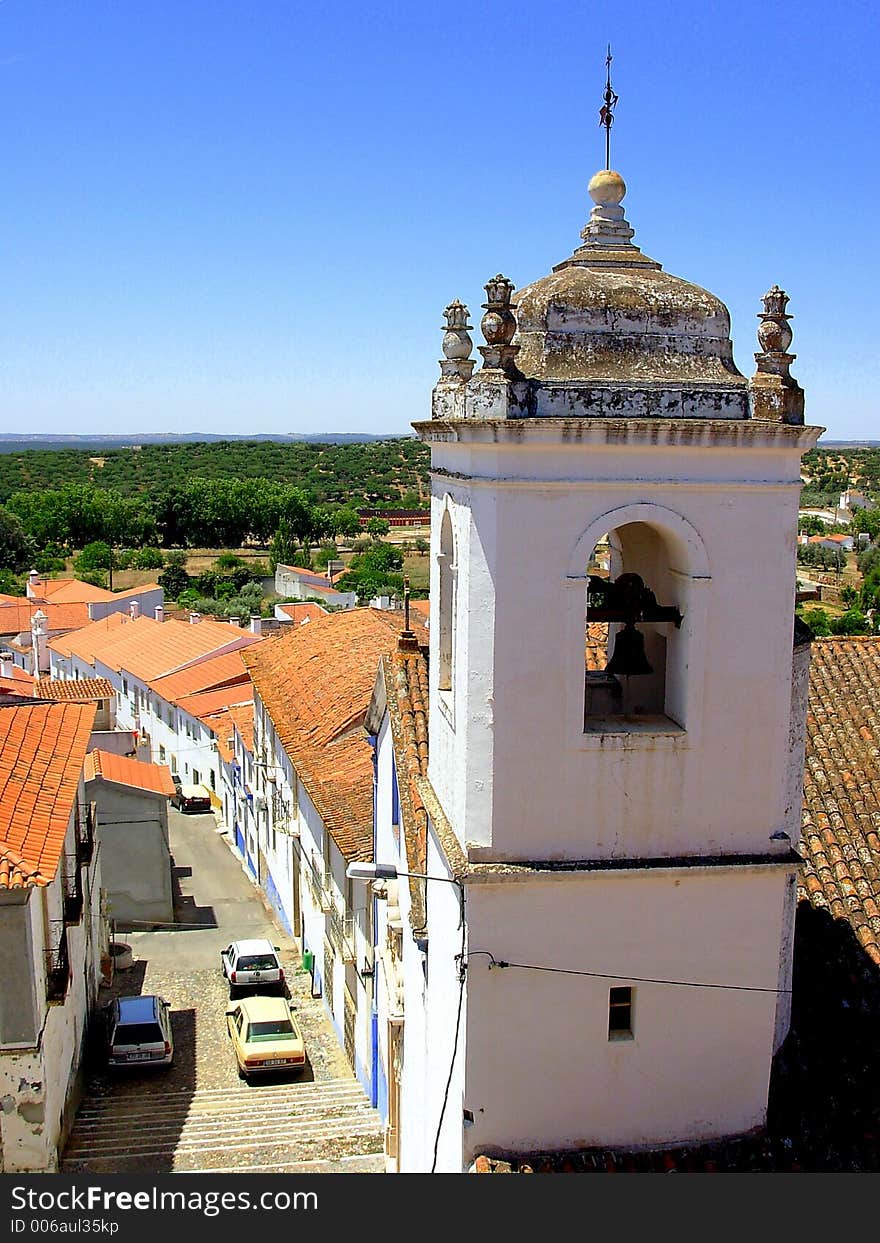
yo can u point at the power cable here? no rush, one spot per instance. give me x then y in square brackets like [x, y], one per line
[501, 963]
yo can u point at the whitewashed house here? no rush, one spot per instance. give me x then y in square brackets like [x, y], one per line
[52, 932]
[306, 810]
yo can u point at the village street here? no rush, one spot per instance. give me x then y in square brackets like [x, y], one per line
[197, 1114]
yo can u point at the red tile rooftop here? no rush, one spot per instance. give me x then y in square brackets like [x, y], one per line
[122, 770]
[42, 752]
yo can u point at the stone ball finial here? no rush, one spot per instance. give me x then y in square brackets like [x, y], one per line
[457, 344]
[498, 325]
[607, 188]
[774, 333]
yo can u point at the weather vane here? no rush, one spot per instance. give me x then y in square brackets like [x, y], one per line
[606, 112]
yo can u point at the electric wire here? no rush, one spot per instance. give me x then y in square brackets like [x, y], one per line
[501, 963]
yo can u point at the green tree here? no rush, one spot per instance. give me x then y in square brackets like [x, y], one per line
[818, 621]
[174, 581]
[94, 558]
[16, 550]
[377, 527]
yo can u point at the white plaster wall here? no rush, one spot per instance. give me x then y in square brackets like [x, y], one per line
[39, 1088]
[461, 722]
[698, 1066]
[136, 856]
[721, 784]
[430, 1048]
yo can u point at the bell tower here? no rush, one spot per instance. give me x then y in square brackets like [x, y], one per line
[612, 733]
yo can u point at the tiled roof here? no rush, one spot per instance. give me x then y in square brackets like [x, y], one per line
[406, 690]
[69, 591]
[306, 611]
[19, 683]
[316, 682]
[124, 771]
[207, 675]
[421, 609]
[596, 646]
[207, 703]
[73, 690]
[42, 750]
[841, 820]
[86, 641]
[16, 618]
[242, 717]
[148, 649]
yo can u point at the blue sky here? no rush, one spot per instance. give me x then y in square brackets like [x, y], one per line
[229, 217]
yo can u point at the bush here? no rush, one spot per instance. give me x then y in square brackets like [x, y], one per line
[228, 561]
[148, 559]
[818, 621]
[174, 581]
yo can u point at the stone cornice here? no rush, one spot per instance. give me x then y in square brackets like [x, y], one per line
[624, 432]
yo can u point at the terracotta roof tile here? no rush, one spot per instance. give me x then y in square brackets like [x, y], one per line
[841, 811]
[207, 675]
[122, 770]
[148, 649]
[42, 751]
[16, 618]
[208, 703]
[70, 591]
[307, 610]
[406, 689]
[89, 638]
[316, 682]
[73, 690]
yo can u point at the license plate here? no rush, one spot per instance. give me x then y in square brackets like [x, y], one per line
[277, 1061]
[139, 1057]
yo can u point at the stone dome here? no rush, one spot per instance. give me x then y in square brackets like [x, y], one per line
[610, 315]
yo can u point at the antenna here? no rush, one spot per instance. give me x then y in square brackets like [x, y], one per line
[606, 112]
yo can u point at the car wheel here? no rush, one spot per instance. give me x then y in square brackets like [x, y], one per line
[233, 992]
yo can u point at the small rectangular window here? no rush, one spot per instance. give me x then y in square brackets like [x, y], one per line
[620, 1014]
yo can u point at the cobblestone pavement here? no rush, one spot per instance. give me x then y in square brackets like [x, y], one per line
[198, 1113]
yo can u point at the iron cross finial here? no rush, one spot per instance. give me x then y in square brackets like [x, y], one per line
[606, 112]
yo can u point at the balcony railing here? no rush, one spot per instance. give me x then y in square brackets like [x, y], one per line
[57, 970]
[73, 893]
[85, 834]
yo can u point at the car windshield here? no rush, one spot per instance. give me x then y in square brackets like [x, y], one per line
[138, 1033]
[271, 1029]
[256, 962]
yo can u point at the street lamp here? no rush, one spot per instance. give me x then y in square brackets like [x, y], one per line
[387, 871]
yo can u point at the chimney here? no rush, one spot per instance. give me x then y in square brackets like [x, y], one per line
[32, 584]
[38, 643]
[234, 621]
[159, 613]
[256, 624]
[7, 663]
[195, 618]
[134, 609]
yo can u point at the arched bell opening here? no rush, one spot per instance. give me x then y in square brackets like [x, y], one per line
[631, 620]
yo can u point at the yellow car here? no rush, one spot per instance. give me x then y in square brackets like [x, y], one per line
[265, 1036]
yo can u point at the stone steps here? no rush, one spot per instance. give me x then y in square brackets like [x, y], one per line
[328, 1125]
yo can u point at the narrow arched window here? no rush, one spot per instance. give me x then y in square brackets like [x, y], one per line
[446, 610]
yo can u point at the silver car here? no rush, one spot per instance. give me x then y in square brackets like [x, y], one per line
[252, 964]
[139, 1032]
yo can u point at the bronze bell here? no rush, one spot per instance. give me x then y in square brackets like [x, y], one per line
[628, 656]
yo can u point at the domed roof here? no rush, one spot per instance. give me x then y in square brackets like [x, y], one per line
[611, 315]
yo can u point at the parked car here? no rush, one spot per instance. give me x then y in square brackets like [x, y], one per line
[265, 1036]
[139, 1031]
[192, 799]
[252, 964]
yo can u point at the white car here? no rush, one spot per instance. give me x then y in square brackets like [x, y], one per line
[253, 965]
